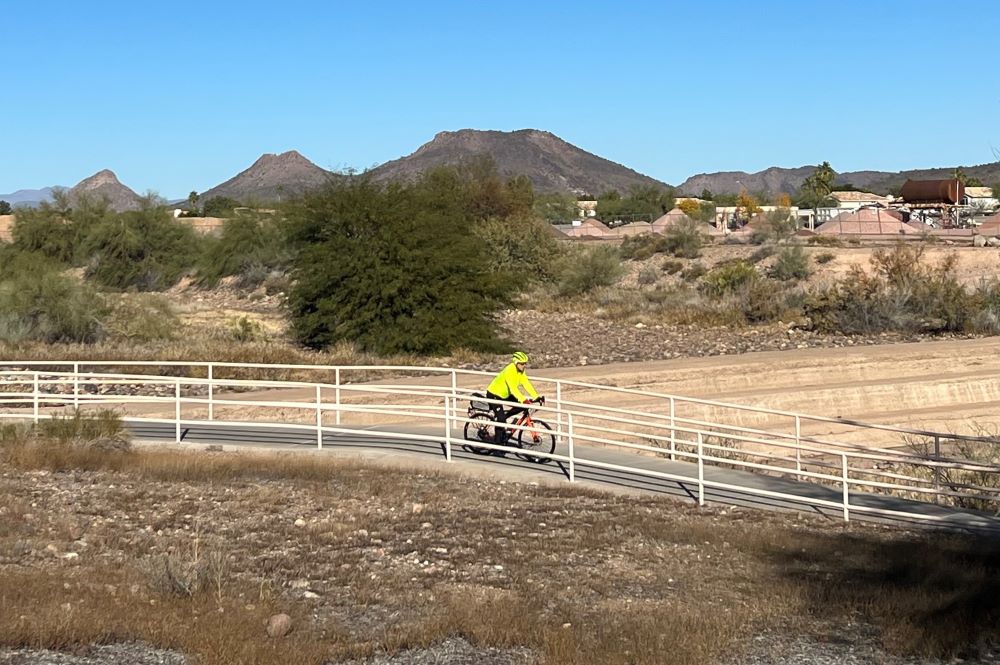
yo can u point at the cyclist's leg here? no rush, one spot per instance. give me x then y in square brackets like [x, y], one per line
[516, 410]
[499, 433]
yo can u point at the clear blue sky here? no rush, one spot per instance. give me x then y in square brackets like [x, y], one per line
[180, 96]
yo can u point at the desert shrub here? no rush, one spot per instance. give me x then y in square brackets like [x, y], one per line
[43, 231]
[146, 250]
[823, 257]
[394, 268]
[759, 300]
[693, 272]
[825, 241]
[642, 247]
[245, 329]
[902, 293]
[776, 226]
[583, 269]
[671, 266]
[58, 229]
[520, 243]
[250, 247]
[684, 239]
[143, 317]
[39, 304]
[647, 275]
[761, 253]
[728, 277]
[792, 263]
[101, 428]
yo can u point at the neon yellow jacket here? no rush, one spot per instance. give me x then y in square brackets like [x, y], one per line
[507, 382]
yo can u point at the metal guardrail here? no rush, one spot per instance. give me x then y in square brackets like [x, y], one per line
[185, 393]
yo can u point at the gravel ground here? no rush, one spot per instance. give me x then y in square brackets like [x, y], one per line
[564, 339]
[113, 654]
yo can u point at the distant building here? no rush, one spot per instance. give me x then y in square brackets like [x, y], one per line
[855, 200]
[981, 198]
[587, 208]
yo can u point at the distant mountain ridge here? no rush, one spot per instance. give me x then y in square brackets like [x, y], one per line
[29, 197]
[776, 179]
[271, 178]
[552, 164]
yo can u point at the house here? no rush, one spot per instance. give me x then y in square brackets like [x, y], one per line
[981, 198]
[855, 200]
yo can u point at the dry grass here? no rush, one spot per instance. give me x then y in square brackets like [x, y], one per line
[193, 551]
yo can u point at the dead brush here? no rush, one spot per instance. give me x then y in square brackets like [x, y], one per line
[984, 483]
[80, 440]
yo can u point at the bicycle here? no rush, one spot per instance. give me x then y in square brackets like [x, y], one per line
[536, 434]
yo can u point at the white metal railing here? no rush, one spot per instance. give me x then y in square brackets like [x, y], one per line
[428, 404]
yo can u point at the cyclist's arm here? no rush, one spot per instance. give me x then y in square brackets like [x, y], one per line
[528, 388]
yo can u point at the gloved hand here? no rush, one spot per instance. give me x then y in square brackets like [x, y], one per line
[527, 401]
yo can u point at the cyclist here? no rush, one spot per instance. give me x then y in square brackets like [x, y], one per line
[505, 386]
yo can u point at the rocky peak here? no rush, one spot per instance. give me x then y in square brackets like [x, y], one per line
[99, 179]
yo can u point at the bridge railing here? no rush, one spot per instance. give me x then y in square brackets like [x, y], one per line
[429, 404]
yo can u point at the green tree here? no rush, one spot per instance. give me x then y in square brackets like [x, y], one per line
[641, 203]
[144, 249]
[220, 206]
[5, 208]
[394, 268]
[39, 303]
[556, 208]
[249, 247]
[966, 179]
[815, 190]
[193, 201]
[817, 187]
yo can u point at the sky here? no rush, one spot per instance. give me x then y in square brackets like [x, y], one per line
[180, 96]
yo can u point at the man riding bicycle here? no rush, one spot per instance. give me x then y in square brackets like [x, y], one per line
[505, 386]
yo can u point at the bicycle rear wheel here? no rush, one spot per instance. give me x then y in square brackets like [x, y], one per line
[539, 438]
[479, 428]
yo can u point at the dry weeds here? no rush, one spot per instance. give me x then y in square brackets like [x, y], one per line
[193, 552]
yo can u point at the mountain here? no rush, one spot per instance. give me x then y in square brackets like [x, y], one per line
[271, 178]
[105, 184]
[29, 197]
[553, 165]
[788, 180]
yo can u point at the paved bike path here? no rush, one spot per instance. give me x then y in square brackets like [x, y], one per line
[803, 496]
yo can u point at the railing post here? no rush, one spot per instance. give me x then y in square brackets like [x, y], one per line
[177, 411]
[572, 454]
[798, 446]
[336, 383]
[937, 469]
[447, 427]
[211, 392]
[35, 396]
[847, 514]
[559, 409]
[449, 413]
[319, 418]
[673, 429]
[701, 471]
[76, 386]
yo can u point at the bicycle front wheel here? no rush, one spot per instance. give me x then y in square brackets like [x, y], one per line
[538, 438]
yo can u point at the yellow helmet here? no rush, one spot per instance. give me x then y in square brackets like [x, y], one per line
[519, 357]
